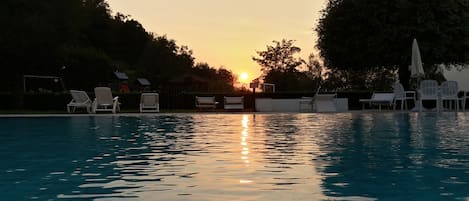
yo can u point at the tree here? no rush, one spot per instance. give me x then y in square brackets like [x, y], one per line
[127, 41]
[32, 34]
[279, 66]
[379, 79]
[218, 80]
[314, 70]
[43, 37]
[86, 67]
[162, 60]
[368, 35]
[279, 57]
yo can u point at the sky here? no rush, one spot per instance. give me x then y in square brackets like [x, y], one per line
[228, 33]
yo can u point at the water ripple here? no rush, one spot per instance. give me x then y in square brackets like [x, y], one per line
[237, 157]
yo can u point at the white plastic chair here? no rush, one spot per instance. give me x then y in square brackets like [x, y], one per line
[104, 101]
[80, 100]
[401, 95]
[149, 102]
[449, 92]
[429, 91]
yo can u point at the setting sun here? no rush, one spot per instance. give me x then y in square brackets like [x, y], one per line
[243, 77]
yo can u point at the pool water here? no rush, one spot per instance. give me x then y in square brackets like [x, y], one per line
[350, 156]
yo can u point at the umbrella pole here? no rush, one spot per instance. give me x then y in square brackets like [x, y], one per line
[417, 101]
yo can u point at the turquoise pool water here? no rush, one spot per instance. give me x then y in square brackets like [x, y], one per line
[369, 156]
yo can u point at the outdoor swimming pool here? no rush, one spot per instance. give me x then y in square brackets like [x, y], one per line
[350, 156]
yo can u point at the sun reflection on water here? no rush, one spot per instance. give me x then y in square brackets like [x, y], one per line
[239, 157]
[245, 146]
[244, 140]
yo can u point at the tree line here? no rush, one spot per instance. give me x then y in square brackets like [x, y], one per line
[362, 44]
[84, 43]
[366, 45]
[373, 39]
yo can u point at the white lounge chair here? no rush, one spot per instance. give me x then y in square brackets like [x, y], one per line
[80, 100]
[305, 104]
[324, 103]
[233, 103]
[104, 102]
[379, 99]
[428, 91]
[205, 102]
[149, 102]
[449, 92]
[401, 95]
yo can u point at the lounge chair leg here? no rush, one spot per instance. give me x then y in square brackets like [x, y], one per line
[420, 106]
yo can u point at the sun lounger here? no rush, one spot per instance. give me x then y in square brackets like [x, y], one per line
[305, 104]
[324, 103]
[233, 103]
[104, 101]
[205, 102]
[80, 100]
[463, 99]
[379, 99]
[149, 102]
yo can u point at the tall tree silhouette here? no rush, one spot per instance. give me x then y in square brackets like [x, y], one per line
[364, 35]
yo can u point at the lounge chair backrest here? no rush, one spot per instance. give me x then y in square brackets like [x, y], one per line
[386, 97]
[398, 90]
[325, 97]
[429, 88]
[103, 95]
[205, 100]
[449, 88]
[80, 96]
[149, 99]
[324, 103]
[317, 90]
[234, 100]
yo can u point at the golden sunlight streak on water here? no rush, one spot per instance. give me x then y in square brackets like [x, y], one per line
[244, 140]
[242, 181]
[245, 146]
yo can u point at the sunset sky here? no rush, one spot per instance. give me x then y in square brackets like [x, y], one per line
[228, 33]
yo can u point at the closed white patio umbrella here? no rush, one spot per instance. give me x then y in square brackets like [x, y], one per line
[416, 67]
